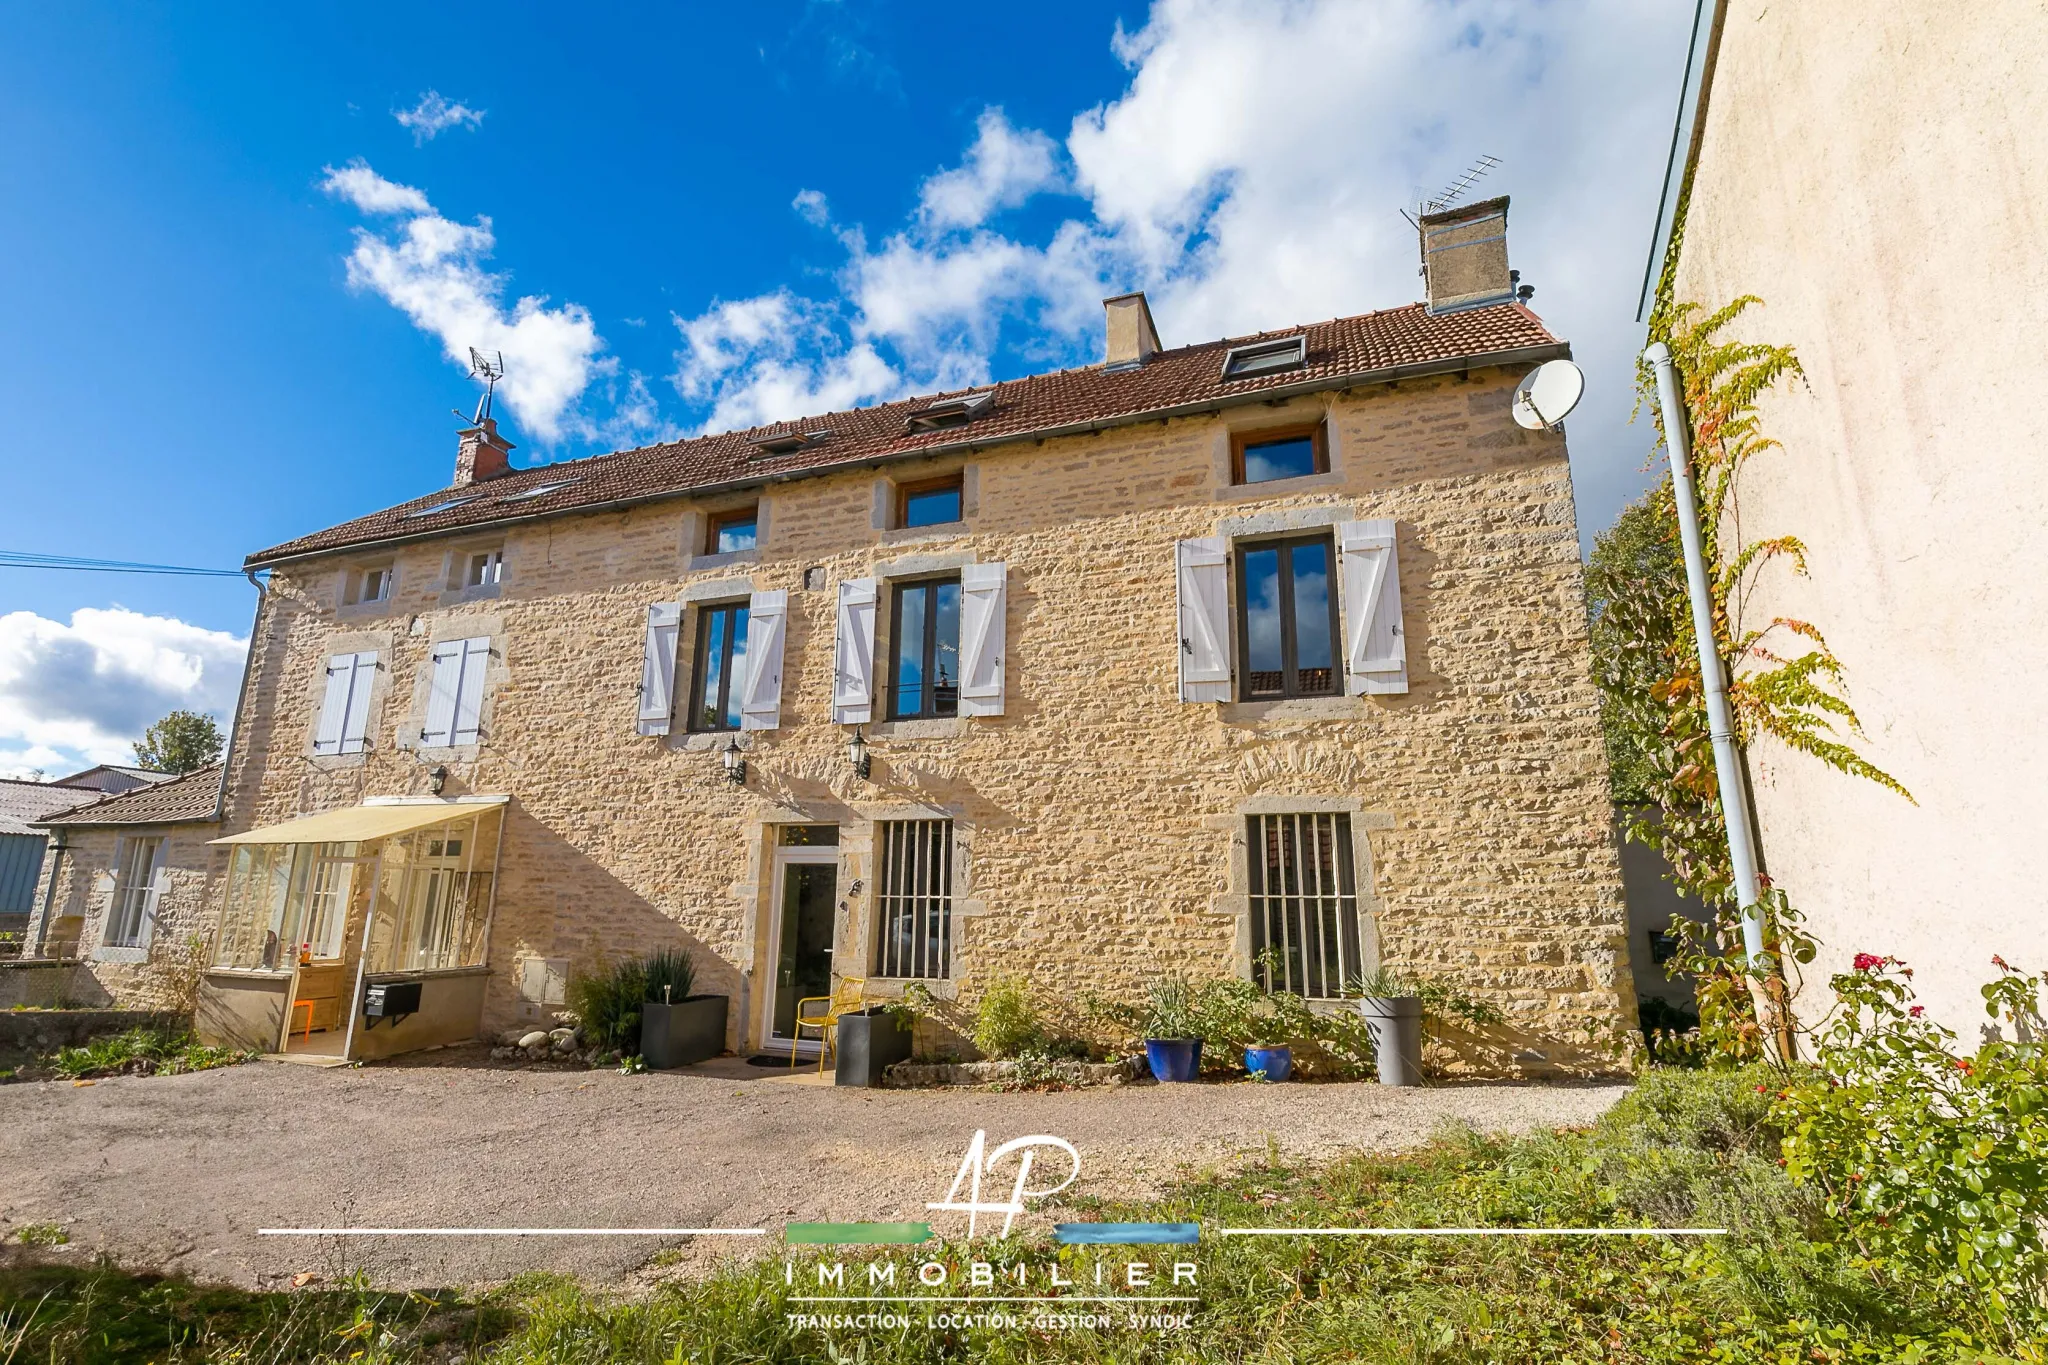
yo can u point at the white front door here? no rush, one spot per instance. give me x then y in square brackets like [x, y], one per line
[803, 913]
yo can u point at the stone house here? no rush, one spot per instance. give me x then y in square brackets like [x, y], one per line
[1269, 643]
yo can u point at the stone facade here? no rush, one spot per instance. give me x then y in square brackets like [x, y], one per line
[1100, 821]
[155, 973]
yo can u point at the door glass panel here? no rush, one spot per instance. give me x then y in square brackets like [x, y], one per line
[803, 965]
[1314, 658]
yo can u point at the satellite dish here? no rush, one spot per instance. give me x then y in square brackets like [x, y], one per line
[1547, 394]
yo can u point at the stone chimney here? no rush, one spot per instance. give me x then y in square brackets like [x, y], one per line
[1133, 339]
[482, 454]
[1465, 256]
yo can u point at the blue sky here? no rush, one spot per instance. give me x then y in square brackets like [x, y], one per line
[231, 277]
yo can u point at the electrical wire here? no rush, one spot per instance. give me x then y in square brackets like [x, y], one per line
[23, 559]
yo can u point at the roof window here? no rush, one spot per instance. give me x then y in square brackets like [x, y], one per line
[538, 490]
[789, 442]
[446, 505]
[1265, 357]
[951, 412]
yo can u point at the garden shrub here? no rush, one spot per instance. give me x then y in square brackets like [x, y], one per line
[668, 976]
[1006, 1024]
[607, 1003]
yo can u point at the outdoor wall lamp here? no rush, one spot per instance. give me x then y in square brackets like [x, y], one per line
[437, 778]
[857, 754]
[735, 763]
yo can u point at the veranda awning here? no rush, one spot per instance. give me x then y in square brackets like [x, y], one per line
[352, 824]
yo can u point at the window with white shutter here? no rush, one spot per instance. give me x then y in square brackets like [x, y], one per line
[455, 703]
[853, 661]
[1202, 581]
[345, 710]
[982, 608]
[761, 694]
[658, 667]
[1375, 649]
[139, 884]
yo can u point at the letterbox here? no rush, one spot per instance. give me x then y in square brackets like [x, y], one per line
[390, 1000]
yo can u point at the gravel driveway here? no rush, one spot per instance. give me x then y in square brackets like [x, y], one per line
[179, 1172]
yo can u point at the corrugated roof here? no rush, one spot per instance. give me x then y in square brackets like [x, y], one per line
[1373, 345]
[21, 802]
[188, 798]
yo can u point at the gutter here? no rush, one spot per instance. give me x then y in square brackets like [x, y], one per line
[1389, 374]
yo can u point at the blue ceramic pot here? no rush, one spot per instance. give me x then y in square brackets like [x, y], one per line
[1174, 1059]
[1276, 1062]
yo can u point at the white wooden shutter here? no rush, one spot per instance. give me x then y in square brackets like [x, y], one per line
[1375, 650]
[355, 724]
[1202, 581]
[469, 701]
[159, 883]
[982, 608]
[658, 667]
[761, 694]
[853, 658]
[341, 672]
[447, 686]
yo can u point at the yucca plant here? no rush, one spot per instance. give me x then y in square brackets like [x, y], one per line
[670, 975]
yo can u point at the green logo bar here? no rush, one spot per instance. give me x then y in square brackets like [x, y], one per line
[857, 1234]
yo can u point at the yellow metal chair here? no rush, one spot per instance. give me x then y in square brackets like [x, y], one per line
[848, 997]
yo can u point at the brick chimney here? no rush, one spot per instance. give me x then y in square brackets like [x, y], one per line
[482, 454]
[1465, 256]
[1132, 339]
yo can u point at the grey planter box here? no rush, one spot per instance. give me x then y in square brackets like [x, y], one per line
[1395, 1023]
[869, 1043]
[683, 1033]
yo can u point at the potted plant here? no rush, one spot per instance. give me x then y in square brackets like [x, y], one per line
[1392, 1007]
[1267, 1054]
[1172, 1027]
[870, 1041]
[678, 1028]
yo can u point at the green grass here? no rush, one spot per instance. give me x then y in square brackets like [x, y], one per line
[144, 1051]
[1685, 1148]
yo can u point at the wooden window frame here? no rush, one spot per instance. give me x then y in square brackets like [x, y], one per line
[494, 565]
[928, 656]
[1317, 432]
[957, 481]
[1290, 686]
[699, 655]
[718, 521]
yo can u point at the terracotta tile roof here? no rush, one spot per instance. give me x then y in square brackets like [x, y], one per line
[21, 802]
[1373, 345]
[182, 799]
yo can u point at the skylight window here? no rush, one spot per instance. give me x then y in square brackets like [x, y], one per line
[538, 490]
[789, 442]
[951, 412]
[1265, 357]
[448, 505]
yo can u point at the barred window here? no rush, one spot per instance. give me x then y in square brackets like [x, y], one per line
[914, 898]
[1304, 904]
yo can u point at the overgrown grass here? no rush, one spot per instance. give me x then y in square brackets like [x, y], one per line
[144, 1052]
[1685, 1149]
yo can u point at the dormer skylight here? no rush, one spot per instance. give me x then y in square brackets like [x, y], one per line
[447, 505]
[790, 442]
[951, 412]
[538, 490]
[1265, 357]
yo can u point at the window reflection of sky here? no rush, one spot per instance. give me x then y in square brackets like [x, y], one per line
[917, 617]
[725, 653]
[1289, 459]
[932, 507]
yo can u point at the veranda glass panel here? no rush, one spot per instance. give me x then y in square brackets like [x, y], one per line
[1304, 904]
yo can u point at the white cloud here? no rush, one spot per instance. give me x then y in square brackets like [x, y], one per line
[76, 694]
[776, 356]
[1250, 176]
[1004, 167]
[432, 268]
[434, 115]
[812, 207]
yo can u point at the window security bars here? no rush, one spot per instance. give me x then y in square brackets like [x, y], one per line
[1304, 904]
[914, 863]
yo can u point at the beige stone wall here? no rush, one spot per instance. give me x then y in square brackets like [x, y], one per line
[1874, 173]
[154, 975]
[1097, 817]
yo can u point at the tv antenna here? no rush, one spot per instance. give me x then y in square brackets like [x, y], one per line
[1453, 192]
[490, 369]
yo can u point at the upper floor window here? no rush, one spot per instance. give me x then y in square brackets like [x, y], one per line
[367, 585]
[733, 531]
[345, 706]
[932, 502]
[1262, 456]
[483, 569]
[1287, 619]
[721, 667]
[456, 703]
[924, 676]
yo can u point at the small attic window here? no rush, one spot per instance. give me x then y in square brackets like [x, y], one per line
[539, 490]
[448, 505]
[789, 442]
[950, 412]
[1265, 357]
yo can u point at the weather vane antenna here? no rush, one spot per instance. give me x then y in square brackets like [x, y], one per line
[490, 369]
[1453, 192]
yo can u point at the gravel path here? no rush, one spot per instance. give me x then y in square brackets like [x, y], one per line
[179, 1172]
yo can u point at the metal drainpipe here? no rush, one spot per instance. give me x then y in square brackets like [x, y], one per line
[1720, 718]
[220, 799]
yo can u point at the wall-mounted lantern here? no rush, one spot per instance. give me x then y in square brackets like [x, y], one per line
[857, 754]
[735, 763]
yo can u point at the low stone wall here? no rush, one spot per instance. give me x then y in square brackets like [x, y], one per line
[46, 984]
[906, 1075]
[44, 1031]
